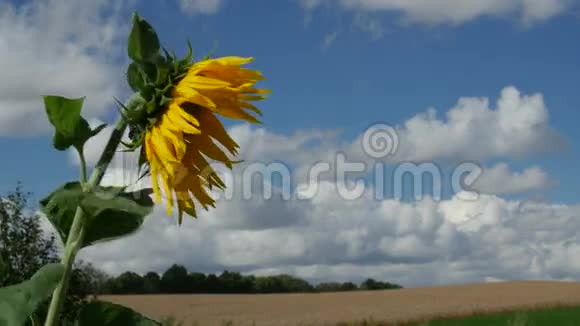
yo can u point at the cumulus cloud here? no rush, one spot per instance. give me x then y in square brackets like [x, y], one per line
[320, 235]
[369, 24]
[454, 12]
[207, 7]
[424, 242]
[473, 130]
[500, 180]
[50, 47]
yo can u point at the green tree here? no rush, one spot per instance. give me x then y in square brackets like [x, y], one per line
[197, 283]
[24, 247]
[371, 284]
[175, 280]
[85, 284]
[348, 286]
[329, 287]
[291, 284]
[234, 282]
[127, 283]
[152, 283]
[212, 284]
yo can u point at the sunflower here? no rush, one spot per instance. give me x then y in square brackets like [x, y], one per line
[184, 135]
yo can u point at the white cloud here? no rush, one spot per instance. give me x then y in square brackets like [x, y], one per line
[538, 10]
[331, 238]
[207, 7]
[455, 12]
[324, 236]
[57, 47]
[500, 180]
[329, 39]
[369, 24]
[517, 127]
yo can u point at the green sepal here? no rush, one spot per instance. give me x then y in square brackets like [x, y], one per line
[150, 72]
[19, 302]
[148, 93]
[100, 313]
[98, 129]
[162, 74]
[130, 147]
[143, 45]
[110, 211]
[189, 54]
[169, 57]
[186, 61]
[135, 77]
[164, 100]
[151, 107]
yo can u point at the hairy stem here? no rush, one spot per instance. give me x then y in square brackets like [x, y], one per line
[83, 166]
[77, 230]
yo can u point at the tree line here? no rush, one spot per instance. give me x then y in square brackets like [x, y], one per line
[177, 280]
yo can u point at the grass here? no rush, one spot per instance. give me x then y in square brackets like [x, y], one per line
[538, 304]
[172, 321]
[560, 316]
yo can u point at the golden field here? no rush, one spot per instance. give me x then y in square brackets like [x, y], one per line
[331, 308]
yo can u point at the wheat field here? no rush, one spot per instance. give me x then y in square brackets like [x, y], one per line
[405, 305]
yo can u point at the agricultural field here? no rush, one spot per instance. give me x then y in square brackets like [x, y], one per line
[391, 306]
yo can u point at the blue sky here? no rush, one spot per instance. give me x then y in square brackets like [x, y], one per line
[358, 79]
[333, 66]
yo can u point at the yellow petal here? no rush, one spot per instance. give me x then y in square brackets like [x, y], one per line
[155, 184]
[176, 118]
[176, 139]
[236, 113]
[191, 95]
[216, 130]
[169, 193]
[166, 152]
[185, 204]
[202, 82]
[233, 60]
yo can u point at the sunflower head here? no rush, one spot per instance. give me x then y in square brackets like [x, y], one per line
[178, 130]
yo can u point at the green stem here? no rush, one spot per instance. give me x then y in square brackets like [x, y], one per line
[77, 230]
[83, 166]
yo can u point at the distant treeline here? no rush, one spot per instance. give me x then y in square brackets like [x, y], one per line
[178, 280]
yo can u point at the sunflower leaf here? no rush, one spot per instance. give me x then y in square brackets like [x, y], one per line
[99, 313]
[111, 211]
[71, 129]
[143, 45]
[18, 302]
[61, 205]
[114, 215]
